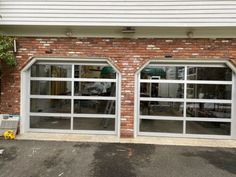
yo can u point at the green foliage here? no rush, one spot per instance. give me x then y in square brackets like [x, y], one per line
[6, 50]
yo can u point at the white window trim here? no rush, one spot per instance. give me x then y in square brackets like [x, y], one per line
[186, 118]
[99, 116]
[69, 79]
[187, 81]
[72, 97]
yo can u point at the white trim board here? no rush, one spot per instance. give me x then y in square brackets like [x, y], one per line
[116, 32]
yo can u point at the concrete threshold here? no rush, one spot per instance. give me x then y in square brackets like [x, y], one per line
[136, 140]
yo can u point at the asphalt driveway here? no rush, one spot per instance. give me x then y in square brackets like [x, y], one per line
[71, 159]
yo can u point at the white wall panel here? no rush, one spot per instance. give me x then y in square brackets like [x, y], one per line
[182, 13]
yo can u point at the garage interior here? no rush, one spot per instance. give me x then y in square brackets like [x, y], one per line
[187, 99]
[73, 97]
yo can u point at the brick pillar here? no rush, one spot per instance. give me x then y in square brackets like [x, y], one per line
[129, 67]
[127, 102]
[10, 91]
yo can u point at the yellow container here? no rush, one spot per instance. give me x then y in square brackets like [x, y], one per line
[9, 135]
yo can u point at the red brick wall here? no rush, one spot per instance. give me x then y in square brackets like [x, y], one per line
[127, 54]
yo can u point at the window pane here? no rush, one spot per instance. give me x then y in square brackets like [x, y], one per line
[39, 70]
[210, 128]
[202, 91]
[50, 88]
[83, 71]
[94, 124]
[94, 107]
[162, 90]
[163, 73]
[209, 110]
[50, 122]
[209, 73]
[50, 105]
[95, 89]
[159, 108]
[162, 126]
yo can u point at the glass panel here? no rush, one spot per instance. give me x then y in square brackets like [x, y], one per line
[50, 122]
[159, 108]
[162, 90]
[95, 89]
[83, 71]
[94, 124]
[50, 88]
[206, 91]
[163, 73]
[50, 105]
[162, 126]
[209, 73]
[39, 70]
[94, 106]
[210, 128]
[209, 110]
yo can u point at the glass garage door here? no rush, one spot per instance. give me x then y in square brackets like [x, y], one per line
[185, 100]
[73, 97]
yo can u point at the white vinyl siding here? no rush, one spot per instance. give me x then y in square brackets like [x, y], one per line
[181, 13]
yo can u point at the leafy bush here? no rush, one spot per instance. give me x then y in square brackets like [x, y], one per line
[6, 50]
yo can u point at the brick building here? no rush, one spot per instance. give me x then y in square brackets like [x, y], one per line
[96, 76]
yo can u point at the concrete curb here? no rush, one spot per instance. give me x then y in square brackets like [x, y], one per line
[137, 140]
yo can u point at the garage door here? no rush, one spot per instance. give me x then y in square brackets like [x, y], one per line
[185, 100]
[73, 97]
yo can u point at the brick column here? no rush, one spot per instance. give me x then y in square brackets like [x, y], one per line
[127, 100]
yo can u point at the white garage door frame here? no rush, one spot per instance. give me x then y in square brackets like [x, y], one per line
[185, 62]
[25, 95]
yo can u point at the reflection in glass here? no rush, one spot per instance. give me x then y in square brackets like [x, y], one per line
[209, 91]
[94, 106]
[163, 73]
[50, 88]
[209, 110]
[209, 73]
[39, 70]
[50, 122]
[83, 71]
[210, 128]
[50, 105]
[158, 108]
[162, 126]
[162, 90]
[94, 124]
[95, 89]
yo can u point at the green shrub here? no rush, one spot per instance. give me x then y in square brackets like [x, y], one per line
[6, 50]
